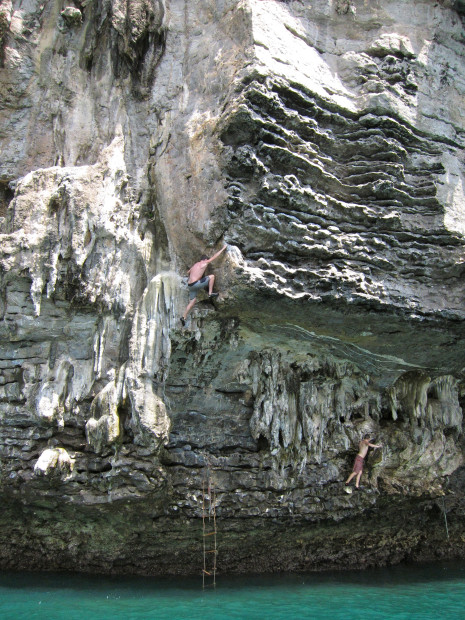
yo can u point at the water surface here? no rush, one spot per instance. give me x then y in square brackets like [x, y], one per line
[407, 592]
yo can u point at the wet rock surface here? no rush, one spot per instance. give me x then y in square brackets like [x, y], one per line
[324, 145]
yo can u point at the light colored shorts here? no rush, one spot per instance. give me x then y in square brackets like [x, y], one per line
[197, 286]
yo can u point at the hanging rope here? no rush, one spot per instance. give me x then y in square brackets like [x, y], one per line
[445, 516]
[209, 531]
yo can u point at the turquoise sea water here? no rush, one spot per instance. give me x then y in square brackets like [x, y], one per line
[420, 592]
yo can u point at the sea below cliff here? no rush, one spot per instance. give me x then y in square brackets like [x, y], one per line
[426, 591]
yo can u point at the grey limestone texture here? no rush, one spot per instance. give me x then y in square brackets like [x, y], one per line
[323, 142]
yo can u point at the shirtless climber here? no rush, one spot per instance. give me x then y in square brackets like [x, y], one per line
[198, 281]
[360, 459]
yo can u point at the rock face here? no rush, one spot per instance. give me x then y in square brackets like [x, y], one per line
[323, 142]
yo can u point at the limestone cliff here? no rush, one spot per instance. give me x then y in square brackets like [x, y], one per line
[323, 142]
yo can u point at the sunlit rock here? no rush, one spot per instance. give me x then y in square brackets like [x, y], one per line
[72, 16]
[54, 462]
